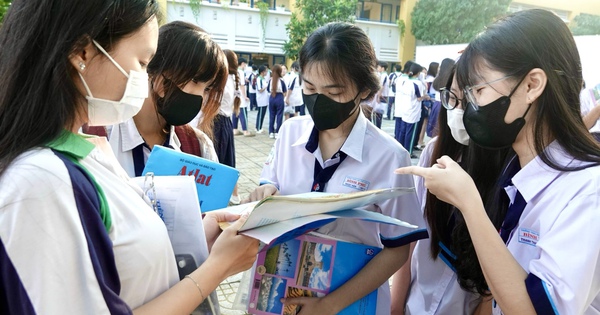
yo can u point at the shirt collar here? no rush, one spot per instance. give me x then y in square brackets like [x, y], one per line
[544, 175]
[72, 144]
[353, 146]
[131, 138]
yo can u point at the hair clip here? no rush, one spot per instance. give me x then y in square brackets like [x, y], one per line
[560, 72]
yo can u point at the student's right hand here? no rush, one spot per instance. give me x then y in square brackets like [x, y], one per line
[232, 251]
[261, 192]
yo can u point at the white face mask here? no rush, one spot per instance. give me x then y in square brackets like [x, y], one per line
[457, 127]
[103, 112]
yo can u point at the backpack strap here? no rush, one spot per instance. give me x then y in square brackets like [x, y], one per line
[188, 139]
[95, 130]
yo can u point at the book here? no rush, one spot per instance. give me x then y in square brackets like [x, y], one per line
[276, 219]
[214, 181]
[175, 201]
[309, 265]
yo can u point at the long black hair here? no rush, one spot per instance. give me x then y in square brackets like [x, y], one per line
[345, 52]
[532, 39]
[445, 221]
[38, 97]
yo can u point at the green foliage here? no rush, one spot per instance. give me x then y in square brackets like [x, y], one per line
[196, 5]
[586, 24]
[312, 14]
[401, 27]
[4, 4]
[454, 21]
[263, 11]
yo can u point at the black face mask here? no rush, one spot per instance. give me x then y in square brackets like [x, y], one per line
[485, 124]
[180, 108]
[327, 113]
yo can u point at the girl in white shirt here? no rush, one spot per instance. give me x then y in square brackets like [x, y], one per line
[76, 237]
[338, 67]
[546, 258]
[262, 98]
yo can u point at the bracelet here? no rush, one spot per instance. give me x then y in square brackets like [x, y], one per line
[197, 286]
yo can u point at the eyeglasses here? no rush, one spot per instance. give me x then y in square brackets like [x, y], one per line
[449, 99]
[470, 96]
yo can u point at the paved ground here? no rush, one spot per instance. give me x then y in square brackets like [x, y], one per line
[251, 152]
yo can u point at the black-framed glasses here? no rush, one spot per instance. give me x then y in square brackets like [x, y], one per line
[449, 99]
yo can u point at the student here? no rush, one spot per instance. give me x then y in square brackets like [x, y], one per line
[262, 98]
[546, 258]
[392, 89]
[446, 68]
[397, 112]
[441, 277]
[294, 96]
[380, 100]
[277, 90]
[179, 77]
[408, 106]
[251, 83]
[75, 236]
[338, 67]
[234, 93]
[426, 105]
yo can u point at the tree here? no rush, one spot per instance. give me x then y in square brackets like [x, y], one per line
[4, 4]
[585, 24]
[312, 14]
[454, 21]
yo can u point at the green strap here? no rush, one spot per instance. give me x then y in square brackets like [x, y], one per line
[75, 148]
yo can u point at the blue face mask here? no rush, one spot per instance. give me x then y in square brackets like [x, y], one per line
[327, 113]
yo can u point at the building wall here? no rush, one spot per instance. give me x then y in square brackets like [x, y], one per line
[238, 28]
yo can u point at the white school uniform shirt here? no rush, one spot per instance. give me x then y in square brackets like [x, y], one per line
[588, 102]
[434, 288]
[241, 90]
[295, 88]
[407, 104]
[45, 238]
[557, 239]
[372, 158]
[384, 83]
[125, 137]
[262, 98]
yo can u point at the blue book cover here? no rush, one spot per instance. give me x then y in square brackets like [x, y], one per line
[311, 266]
[214, 181]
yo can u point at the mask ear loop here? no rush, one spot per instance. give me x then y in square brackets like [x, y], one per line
[87, 88]
[357, 106]
[110, 58]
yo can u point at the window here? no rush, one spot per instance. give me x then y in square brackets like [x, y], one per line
[397, 12]
[386, 13]
[278, 60]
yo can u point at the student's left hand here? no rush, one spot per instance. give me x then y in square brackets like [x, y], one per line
[211, 220]
[311, 305]
[447, 181]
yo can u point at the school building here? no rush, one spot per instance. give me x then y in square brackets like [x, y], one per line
[259, 35]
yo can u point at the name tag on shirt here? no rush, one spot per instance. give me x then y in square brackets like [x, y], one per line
[528, 237]
[356, 183]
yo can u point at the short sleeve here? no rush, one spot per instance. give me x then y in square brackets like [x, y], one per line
[566, 276]
[54, 240]
[283, 87]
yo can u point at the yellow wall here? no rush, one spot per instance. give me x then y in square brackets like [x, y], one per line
[163, 9]
[408, 42]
